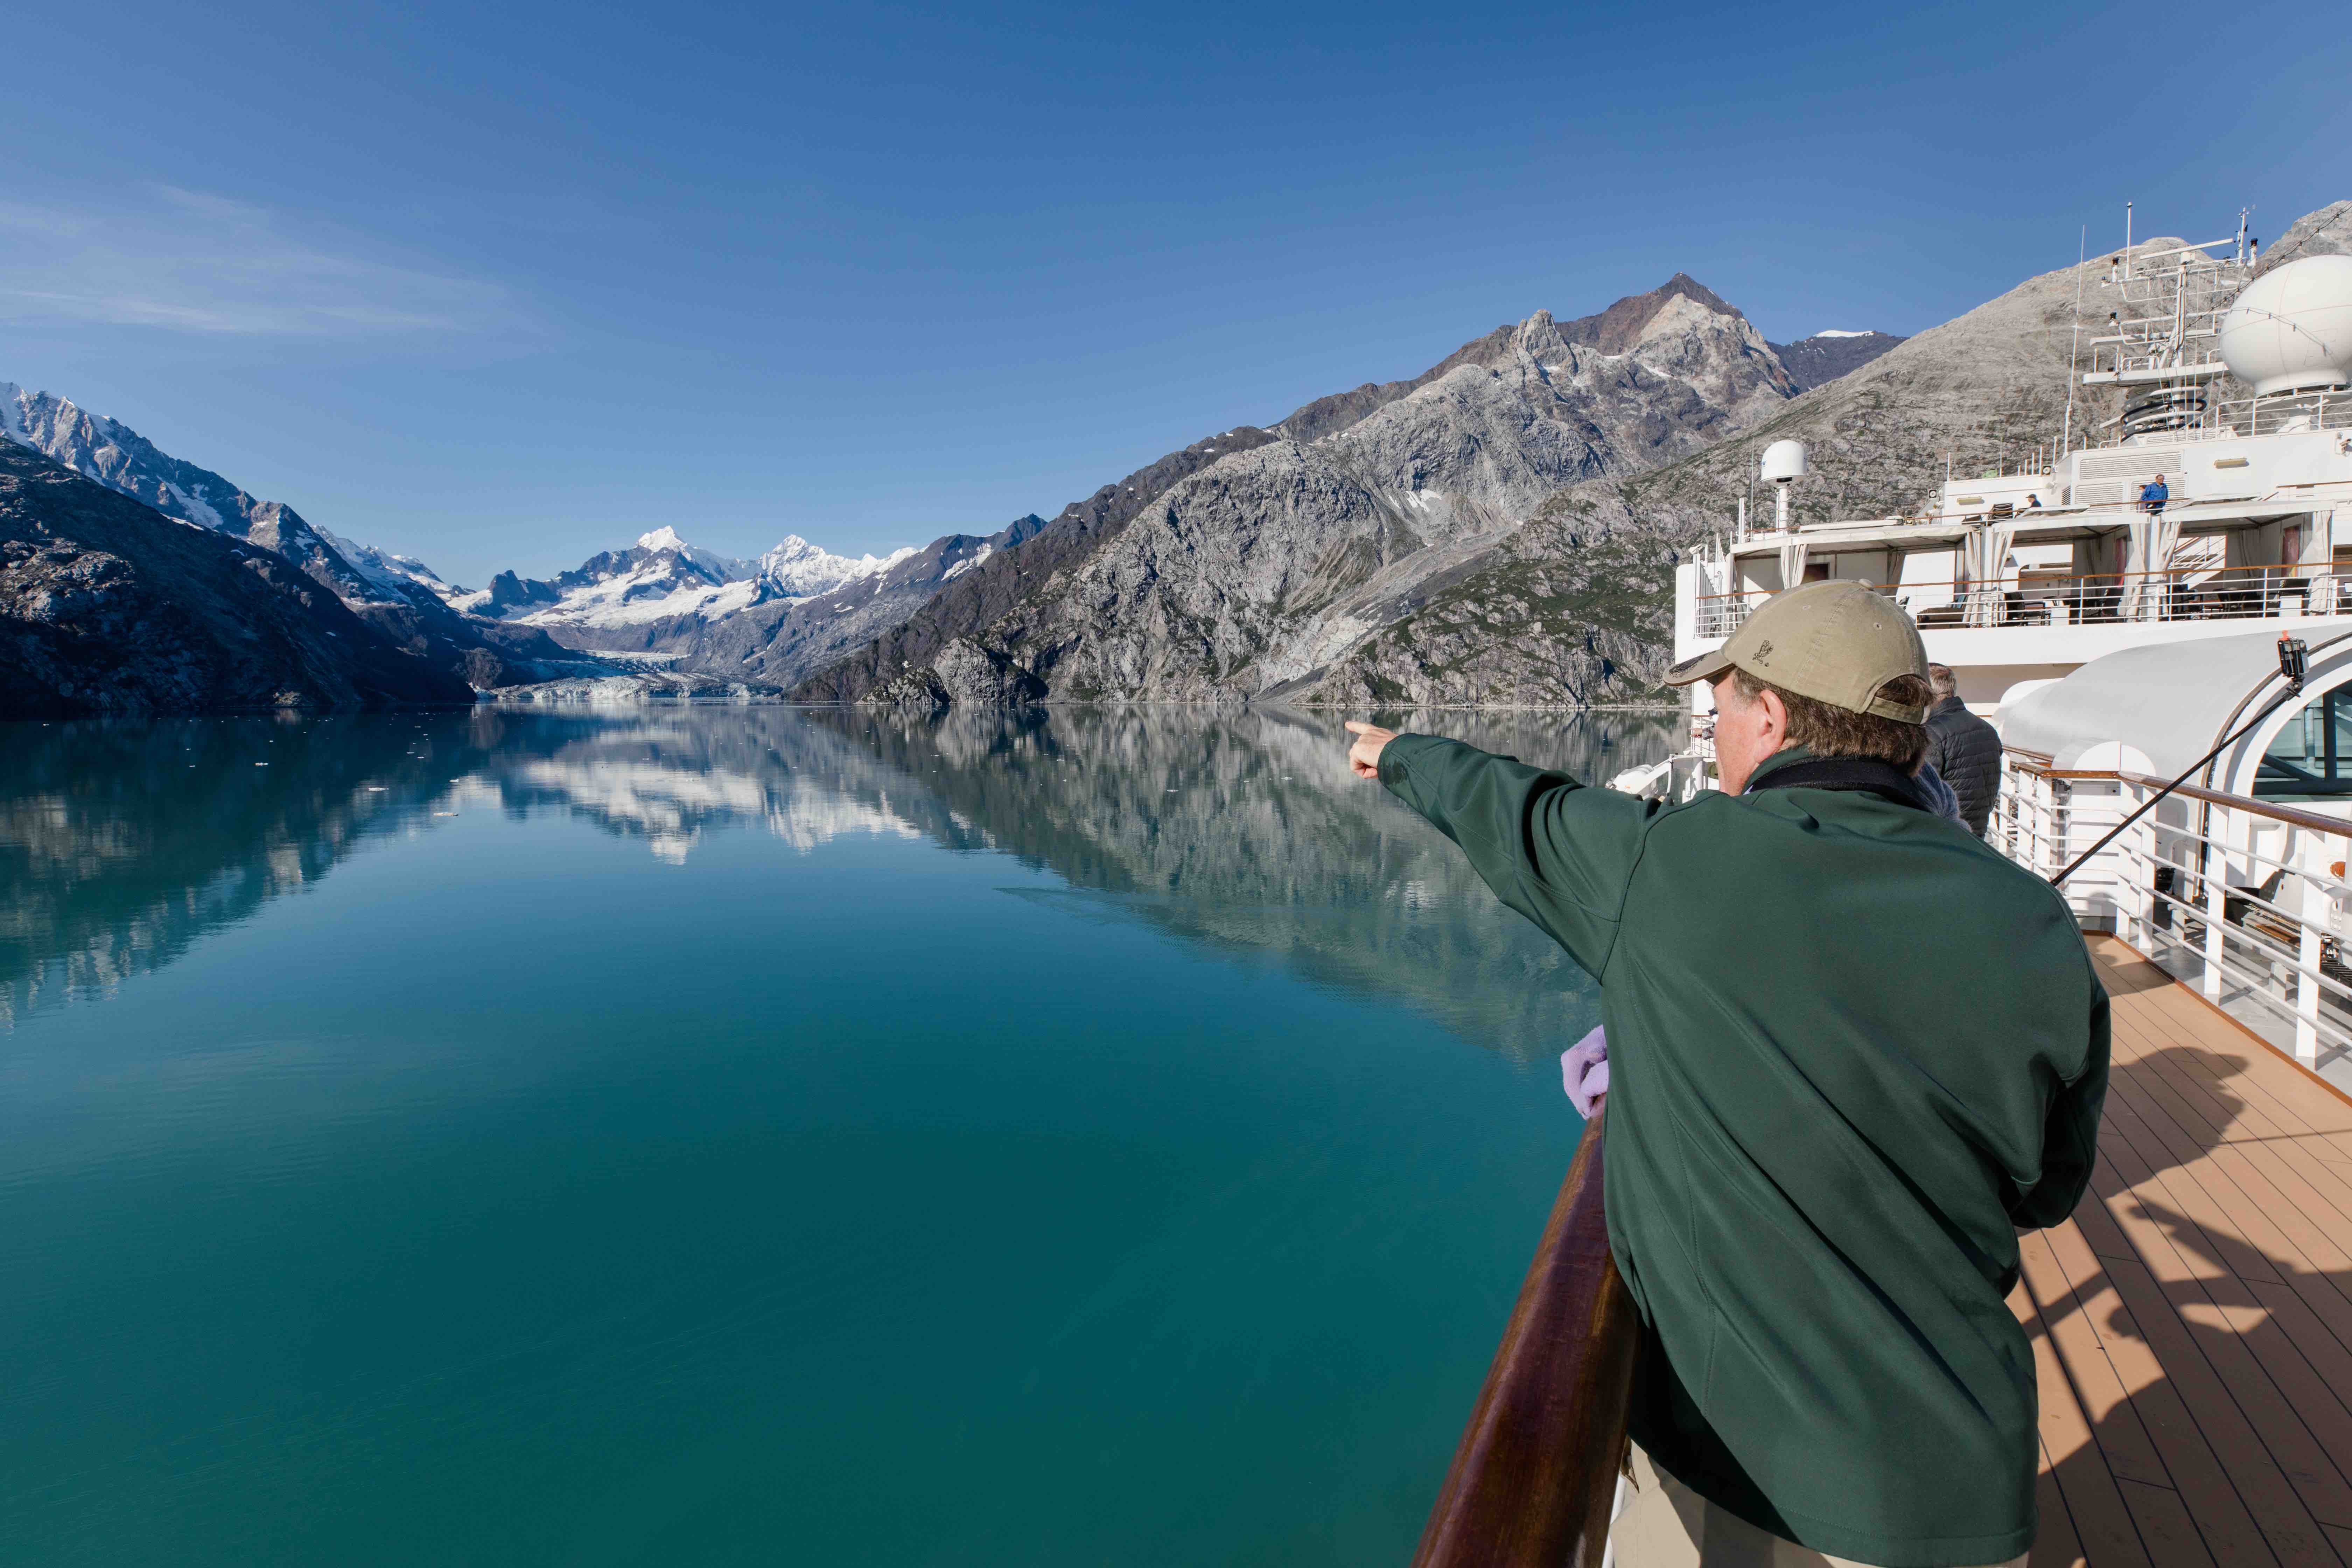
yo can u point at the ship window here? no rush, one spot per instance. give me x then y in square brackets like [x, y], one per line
[2313, 755]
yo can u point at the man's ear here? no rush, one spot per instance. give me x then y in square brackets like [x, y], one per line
[1776, 720]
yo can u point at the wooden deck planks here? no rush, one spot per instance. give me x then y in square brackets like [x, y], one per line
[2192, 1323]
[2054, 1546]
[2289, 1335]
[2183, 1446]
[2101, 1521]
[2100, 1390]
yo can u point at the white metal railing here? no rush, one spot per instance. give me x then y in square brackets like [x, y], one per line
[2182, 594]
[2276, 416]
[2243, 899]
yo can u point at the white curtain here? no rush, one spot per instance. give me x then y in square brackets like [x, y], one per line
[1792, 564]
[2147, 552]
[1984, 555]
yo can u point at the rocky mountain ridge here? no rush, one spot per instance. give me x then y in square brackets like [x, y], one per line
[1576, 608]
[1256, 561]
[658, 592]
[1826, 356]
[400, 599]
[109, 606]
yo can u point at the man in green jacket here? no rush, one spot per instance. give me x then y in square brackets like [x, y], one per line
[1851, 1050]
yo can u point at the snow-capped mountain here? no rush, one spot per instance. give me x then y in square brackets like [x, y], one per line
[391, 574]
[128, 463]
[402, 600]
[799, 570]
[660, 590]
[661, 574]
[664, 578]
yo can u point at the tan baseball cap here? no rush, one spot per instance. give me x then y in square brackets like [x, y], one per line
[1836, 642]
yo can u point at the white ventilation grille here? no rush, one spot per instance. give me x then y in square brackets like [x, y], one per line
[2142, 463]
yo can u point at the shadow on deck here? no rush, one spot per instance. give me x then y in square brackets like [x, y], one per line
[2192, 1322]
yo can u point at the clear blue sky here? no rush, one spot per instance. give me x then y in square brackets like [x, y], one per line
[502, 285]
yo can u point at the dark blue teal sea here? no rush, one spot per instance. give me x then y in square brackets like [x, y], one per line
[690, 1136]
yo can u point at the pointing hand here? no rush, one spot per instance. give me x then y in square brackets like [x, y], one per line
[1364, 756]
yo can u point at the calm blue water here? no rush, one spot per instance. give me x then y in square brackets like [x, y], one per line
[754, 1135]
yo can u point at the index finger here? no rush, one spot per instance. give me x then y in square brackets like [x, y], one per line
[1359, 727]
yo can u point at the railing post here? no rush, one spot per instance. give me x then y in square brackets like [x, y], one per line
[2217, 894]
[2057, 824]
[2144, 896]
[2313, 911]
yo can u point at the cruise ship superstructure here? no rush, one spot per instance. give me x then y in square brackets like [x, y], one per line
[2117, 634]
[2024, 575]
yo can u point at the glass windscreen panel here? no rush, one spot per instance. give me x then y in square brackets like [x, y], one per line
[2313, 755]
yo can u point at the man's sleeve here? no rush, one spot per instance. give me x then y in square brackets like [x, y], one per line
[1557, 851]
[2070, 1138]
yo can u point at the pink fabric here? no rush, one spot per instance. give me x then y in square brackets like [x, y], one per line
[1584, 1072]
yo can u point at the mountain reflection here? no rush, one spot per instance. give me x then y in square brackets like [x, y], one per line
[1247, 833]
[122, 844]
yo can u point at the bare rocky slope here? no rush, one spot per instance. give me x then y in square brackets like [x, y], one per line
[2327, 232]
[1247, 562]
[109, 606]
[1576, 608]
[997, 584]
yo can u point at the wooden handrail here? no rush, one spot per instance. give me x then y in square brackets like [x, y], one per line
[2037, 764]
[1536, 1473]
[2310, 820]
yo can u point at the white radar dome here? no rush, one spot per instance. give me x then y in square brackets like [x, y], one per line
[2290, 331]
[1784, 460]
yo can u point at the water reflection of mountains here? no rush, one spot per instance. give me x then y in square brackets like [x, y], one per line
[122, 844]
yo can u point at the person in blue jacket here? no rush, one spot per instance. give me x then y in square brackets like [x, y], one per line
[2153, 495]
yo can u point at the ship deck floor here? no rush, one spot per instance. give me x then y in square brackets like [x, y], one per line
[2192, 1320]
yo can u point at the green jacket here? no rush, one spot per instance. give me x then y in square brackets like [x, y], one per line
[1850, 1048]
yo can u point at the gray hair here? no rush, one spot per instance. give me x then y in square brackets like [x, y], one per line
[1942, 682]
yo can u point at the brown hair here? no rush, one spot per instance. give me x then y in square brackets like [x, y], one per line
[1828, 731]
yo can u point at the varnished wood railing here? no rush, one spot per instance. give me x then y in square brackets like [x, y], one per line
[1536, 1473]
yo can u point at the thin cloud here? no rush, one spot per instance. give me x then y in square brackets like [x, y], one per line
[189, 262]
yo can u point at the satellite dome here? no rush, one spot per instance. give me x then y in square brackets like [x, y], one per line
[2290, 331]
[1785, 460]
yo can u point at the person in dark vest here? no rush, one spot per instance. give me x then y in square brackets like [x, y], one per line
[1964, 750]
[1851, 1051]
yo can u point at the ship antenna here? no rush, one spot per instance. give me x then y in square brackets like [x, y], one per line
[2073, 348]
